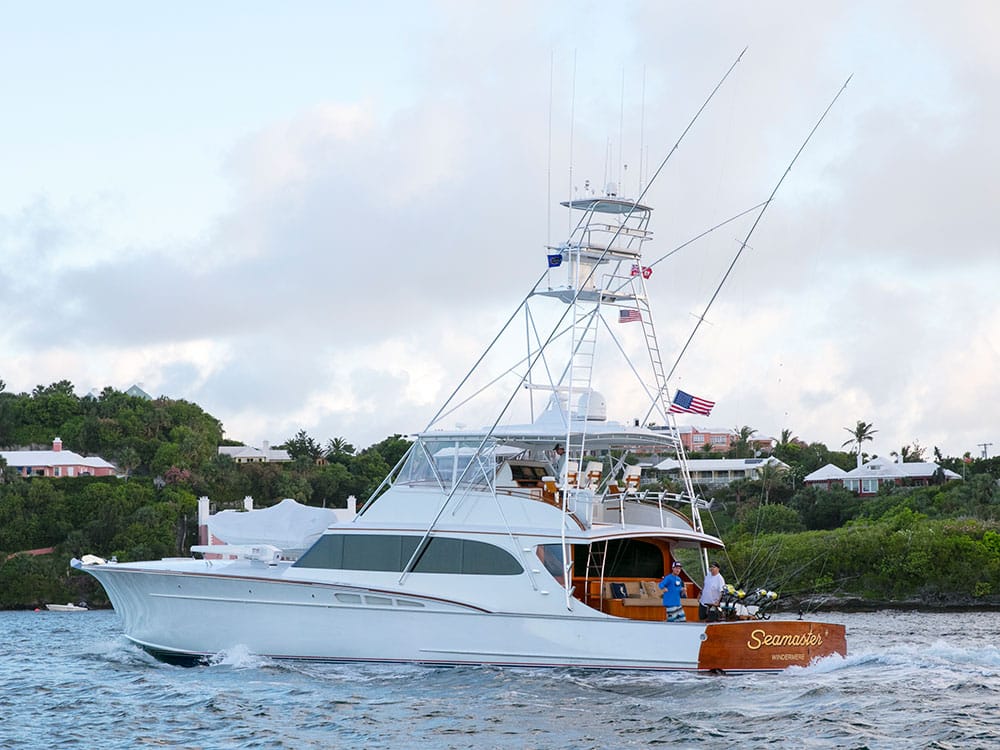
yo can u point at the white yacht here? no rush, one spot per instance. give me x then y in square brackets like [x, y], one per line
[488, 546]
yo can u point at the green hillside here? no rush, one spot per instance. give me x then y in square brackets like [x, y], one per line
[933, 545]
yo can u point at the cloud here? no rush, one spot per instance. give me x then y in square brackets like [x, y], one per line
[375, 235]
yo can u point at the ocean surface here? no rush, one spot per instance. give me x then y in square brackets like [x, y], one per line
[911, 680]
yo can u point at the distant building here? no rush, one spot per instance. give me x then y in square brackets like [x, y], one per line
[57, 463]
[694, 439]
[718, 439]
[245, 454]
[866, 479]
[136, 390]
[826, 477]
[720, 471]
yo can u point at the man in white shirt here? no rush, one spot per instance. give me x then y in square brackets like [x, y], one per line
[559, 461]
[711, 593]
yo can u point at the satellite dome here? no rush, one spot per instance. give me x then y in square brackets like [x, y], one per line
[592, 406]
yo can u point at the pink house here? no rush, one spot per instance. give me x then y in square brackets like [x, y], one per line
[57, 463]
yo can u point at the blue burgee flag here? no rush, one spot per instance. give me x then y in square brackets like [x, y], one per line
[555, 260]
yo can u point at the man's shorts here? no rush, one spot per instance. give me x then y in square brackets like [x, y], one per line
[676, 614]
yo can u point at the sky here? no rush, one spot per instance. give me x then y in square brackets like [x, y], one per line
[314, 215]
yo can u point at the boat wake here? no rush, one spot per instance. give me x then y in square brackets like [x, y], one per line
[936, 655]
[239, 657]
[122, 652]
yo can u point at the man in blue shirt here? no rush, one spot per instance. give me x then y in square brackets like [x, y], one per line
[673, 587]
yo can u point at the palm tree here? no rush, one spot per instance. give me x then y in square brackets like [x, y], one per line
[770, 475]
[862, 431]
[787, 436]
[911, 454]
[338, 447]
[741, 446]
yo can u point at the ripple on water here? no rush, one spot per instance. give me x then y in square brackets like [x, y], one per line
[909, 681]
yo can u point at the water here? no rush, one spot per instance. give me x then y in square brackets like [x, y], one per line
[912, 680]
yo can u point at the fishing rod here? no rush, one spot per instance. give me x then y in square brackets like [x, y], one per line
[706, 232]
[743, 245]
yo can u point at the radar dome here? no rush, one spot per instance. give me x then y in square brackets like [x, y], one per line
[592, 406]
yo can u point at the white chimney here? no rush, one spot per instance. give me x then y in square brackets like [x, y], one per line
[204, 510]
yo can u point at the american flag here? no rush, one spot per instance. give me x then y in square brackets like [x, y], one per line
[685, 403]
[629, 316]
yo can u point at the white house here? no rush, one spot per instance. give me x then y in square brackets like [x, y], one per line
[826, 477]
[245, 454]
[866, 479]
[720, 471]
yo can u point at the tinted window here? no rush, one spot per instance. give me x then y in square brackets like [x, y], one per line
[327, 552]
[627, 558]
[391, 552]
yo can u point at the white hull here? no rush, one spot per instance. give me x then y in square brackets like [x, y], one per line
[179, 614]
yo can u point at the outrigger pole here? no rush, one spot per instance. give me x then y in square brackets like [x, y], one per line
[701, 318]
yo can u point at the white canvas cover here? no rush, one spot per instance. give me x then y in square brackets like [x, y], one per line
[290, 526]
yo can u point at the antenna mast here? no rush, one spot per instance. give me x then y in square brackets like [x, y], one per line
[701, 318]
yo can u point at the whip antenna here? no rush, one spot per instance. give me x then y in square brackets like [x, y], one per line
[701, 318]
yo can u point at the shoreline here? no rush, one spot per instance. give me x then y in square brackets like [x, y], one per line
[858, 604]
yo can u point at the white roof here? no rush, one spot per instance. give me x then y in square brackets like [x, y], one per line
[825, 473]
[885, 468]
[543, 433]
[54, 458]
[722, 464]
[247, 451]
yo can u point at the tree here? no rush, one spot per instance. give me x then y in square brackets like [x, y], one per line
[8, 474]
[392, 449]
[303, 446]
[338, 449]
[912, 454]
[128, 460]
[741, 448]
[862, 432]
[771, 475]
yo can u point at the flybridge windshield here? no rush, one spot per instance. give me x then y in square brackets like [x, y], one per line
[450, 463]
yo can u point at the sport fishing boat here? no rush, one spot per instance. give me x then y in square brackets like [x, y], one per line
[490, 546]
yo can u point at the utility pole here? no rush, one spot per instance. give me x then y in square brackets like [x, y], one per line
[984, 446]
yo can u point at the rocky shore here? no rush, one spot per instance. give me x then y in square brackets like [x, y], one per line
[847, 603]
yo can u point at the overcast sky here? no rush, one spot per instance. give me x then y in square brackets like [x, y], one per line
[312, 215]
